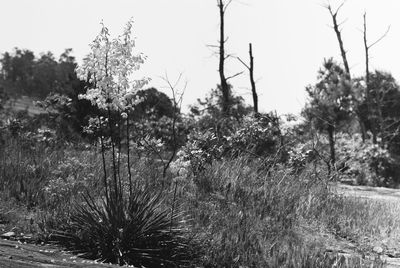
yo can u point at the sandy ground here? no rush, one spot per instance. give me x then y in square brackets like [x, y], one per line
[374, 193]
[377, 193]
[14, 254]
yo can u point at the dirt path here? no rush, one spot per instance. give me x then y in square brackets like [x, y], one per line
[376, 193]
[14, 254]
[379, 194]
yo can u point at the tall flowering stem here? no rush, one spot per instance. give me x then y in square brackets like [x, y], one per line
[109, 69]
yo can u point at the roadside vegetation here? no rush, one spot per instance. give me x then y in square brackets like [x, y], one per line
[115, 172]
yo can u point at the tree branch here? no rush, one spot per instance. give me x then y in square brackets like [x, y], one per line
[232, 76]
[243, 63]
[380, 38]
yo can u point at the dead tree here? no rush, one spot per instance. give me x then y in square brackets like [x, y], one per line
[251, 75]
[224, 83]
[224, 86]
[338, 32]
[367, 47]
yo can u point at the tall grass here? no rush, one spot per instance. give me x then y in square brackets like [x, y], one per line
[25, 167]
[249, 216]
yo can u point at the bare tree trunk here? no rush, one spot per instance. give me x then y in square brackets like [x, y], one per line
[253, 84]
[367, 83]
[371, 110]
[339, 37]
[224, 83]
[336, 28]
[331, 137]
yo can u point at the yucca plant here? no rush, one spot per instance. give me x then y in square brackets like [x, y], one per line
[128, 223]
[137, 231]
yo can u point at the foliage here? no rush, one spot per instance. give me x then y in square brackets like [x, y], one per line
[330, 104]
[154, 105]
[256, 137]
[330, 99]
[381, 114]
[364, 161]
[73, 175]
[25, 74]
[208, 113]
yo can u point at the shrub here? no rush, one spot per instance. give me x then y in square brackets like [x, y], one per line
[365, 161]
[252, 137]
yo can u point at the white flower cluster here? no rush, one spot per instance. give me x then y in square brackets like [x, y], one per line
[109, 68]
[181, 166]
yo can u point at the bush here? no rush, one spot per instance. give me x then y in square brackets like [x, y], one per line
[363, 161]
[252, 137]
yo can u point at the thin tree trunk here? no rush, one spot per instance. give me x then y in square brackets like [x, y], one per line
[253, 84]
[344, 58]
[367, 83]
[224, 84]
[331, 137]
[339, 38]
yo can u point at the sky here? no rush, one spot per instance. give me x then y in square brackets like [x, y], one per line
[290, 40]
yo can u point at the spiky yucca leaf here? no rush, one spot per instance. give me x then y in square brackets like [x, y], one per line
[135, 231]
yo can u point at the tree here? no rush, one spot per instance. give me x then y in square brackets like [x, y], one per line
[367, 47]
[155, 104]
[384, 109]
[330, 102]
[338, 31]
[224, 86]
[17, 71]
[225, 89]
[208, 113]
[251, 75]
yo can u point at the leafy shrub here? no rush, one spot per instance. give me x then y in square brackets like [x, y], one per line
[253, 137]
[365, 161]
[72, 176]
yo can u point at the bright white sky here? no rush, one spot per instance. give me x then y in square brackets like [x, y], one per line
[290, 39]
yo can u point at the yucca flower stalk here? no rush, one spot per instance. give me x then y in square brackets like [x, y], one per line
[120, 227]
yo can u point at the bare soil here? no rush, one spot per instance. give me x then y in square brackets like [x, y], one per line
[14, 254]
[376, 193]
[382, 194]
